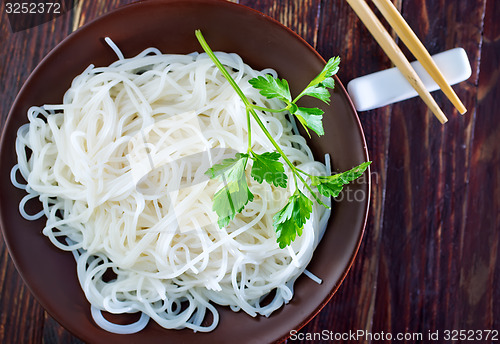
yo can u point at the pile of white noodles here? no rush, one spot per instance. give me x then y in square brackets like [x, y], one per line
[119, 168]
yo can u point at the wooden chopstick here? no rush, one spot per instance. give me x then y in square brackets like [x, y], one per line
[410, 39]
[395, 54]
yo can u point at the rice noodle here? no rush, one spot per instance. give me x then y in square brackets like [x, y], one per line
[143, 231]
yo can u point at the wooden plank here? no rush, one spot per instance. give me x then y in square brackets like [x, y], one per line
[428, 169]
[300, 16]
[55, 333]
[20, 314]
[479, 255]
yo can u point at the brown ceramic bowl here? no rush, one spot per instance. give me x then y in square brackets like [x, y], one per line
[169, 26]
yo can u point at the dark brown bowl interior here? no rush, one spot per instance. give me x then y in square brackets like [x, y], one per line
[169, 26]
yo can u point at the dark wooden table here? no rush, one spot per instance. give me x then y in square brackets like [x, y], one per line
[429, 260]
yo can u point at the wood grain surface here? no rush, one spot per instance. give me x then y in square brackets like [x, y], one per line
[429, 260]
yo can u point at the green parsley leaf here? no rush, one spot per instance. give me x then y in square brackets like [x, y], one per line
[318, 92]
[271, 87]
[290, 220]
[267, 167]
[311, 118]
[235, 194]
[230, 200]
[228, 167]
[331, 68]
[329, 82]
[332, 185]
[318, 87]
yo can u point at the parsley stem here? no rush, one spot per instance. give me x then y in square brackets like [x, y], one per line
[299, 96]
[221, 67]
[268, 109]
[288, 162]
[304, 173]
[249, 149]
[250, 108]
[271, 139]
[315, 196]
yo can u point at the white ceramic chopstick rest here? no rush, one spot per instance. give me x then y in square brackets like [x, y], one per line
[390, 86]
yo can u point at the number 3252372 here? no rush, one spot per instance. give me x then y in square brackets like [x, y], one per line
[480, 335]
[32, 8]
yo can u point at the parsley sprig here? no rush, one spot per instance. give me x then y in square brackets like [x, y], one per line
[235, 193]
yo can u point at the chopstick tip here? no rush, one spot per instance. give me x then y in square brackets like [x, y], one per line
[439, 114]
[437, 111]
